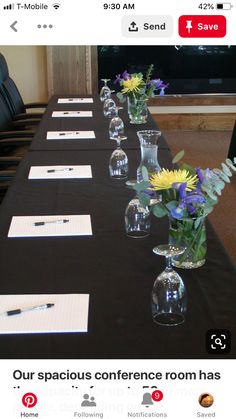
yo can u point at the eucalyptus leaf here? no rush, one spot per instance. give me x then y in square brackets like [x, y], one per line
[172, 204]
[226, 169]
[178, 157]
[141, 186]
[222, 175]
[121, 97]
[144, 199]
[208, 210]
[159, 210]
[230, 164]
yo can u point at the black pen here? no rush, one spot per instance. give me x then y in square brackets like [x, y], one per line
[42, 223]
[69, 133]
[71, 112]
[66, 169]
[22, 310]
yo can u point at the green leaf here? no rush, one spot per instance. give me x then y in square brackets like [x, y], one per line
[208, 210]
[209, 192]
[222, 175]
[121, 97]
[178, 157]
[145, 174]
[144, 199]
[230, 164]
[197, 222]
[141, 186]
[159, 210]
[226, 169]
[171, 205]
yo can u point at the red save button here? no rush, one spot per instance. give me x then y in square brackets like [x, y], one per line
[199, 26]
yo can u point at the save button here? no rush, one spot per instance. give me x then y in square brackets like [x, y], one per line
[202, 26]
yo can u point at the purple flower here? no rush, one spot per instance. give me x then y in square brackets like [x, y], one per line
[122, 77]
[126, 75]
[152, 194]
[191, 209]
[158, 84]
[177, 212]
[181, 187]
[118, 79]
[199, 174]
[194, 198]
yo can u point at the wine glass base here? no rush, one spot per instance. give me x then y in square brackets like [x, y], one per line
[136, 122]
[119, 177]
[187, 264]
[137, 234]
[168, 319]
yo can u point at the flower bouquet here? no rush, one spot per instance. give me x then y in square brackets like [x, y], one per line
[138, 89]
[186, 195]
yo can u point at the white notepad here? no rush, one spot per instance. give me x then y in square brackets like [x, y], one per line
[70, 135]
[69, 313]
[75, 100]
[72, 114]
[50, 226]
[60, 172]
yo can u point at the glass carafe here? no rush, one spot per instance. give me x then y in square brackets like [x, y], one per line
[149, 150]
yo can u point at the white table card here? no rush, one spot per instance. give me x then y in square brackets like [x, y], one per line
[60, 172]
[70, 135]
[76, 100]
[68, 313]
[50, 226]
[72, 114]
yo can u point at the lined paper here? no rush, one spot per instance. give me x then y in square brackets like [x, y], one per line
[78, 225]
[69, 314]
[60, 172]
[76, 100]
[70, 135]
[72, 114]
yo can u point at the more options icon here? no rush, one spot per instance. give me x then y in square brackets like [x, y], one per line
[218, 341]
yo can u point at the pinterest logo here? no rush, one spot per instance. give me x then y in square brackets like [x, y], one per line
[29, 400]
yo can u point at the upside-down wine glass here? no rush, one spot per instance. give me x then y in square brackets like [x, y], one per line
[169, 299]
[118, 163]
[109, 108]
[105, 91]
[137, 217]
[116, 127]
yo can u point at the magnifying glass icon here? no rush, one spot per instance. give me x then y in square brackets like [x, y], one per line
[218, 341]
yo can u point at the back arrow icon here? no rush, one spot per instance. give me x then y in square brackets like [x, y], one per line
[13, 26]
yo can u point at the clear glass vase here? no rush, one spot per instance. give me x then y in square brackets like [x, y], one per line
[190, 234]
[149, 151]
[137, 110]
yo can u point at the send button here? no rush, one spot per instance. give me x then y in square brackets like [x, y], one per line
[147, 26]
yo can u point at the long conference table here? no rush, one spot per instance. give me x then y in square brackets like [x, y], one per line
[118, 272]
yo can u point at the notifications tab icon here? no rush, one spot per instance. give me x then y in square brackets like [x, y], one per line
[202, 26]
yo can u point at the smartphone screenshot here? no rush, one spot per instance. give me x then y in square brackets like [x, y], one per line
[117, 209]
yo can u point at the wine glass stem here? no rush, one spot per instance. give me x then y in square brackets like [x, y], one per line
[118, 143]
[168, 262]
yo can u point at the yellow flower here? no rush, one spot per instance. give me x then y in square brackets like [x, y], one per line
[132, 85]
[165, 179]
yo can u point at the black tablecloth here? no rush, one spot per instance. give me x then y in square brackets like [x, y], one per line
[118, 272]
[97, 123]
